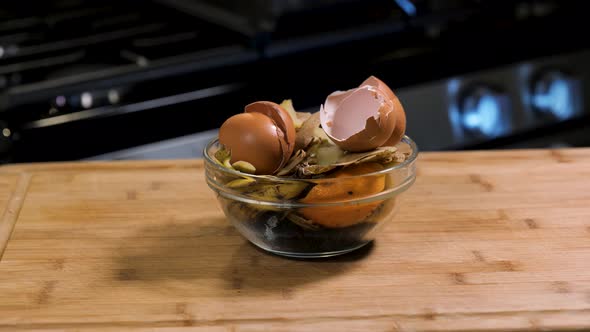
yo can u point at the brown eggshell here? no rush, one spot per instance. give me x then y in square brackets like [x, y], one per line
[400, 124]
[255, 138]
[281, 118]
[380, 85]
[344, 112]
[374, 135]
[398, 109]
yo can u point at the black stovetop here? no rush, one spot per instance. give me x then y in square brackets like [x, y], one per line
[166, 68]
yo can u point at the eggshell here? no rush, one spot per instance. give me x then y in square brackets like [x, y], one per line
[400, 124]
[398, 109]
[281, 118]
[255, 138]
[359, 119]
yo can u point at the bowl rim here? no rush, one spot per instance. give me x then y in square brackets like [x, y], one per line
[409, 161]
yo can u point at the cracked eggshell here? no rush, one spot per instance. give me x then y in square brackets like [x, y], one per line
[398, 110]
[360, 119]
[281, 118]
[255, 138]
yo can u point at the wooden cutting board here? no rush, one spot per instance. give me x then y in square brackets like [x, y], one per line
[483, 241]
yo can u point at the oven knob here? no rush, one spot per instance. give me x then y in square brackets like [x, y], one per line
[485, 112]
[556, 94]
[5, 139]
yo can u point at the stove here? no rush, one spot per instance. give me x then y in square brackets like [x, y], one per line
[81, 78]
[533, 103]
[153, 79]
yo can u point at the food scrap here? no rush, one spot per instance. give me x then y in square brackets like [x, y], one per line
[356, 126]
[313, 184]
[263, 136]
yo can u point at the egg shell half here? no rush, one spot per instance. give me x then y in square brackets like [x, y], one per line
[255, 138]
[359, 119]
[398, 110]
[281, 118]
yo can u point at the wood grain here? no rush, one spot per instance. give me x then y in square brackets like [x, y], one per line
[13, 187]
[484, 241]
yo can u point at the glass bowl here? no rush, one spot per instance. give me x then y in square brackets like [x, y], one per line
[308, 218]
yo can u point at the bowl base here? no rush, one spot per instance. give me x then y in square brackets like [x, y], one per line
[311, 254]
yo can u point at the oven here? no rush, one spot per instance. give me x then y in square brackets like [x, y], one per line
[154, 79]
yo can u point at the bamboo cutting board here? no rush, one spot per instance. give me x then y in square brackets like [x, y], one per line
[483, 241]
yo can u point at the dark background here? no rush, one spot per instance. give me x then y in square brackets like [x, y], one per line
[101, 79]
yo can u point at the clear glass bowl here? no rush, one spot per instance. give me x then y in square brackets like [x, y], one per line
[308, 218]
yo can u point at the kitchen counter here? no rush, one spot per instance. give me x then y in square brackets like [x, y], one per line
[483, 241]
